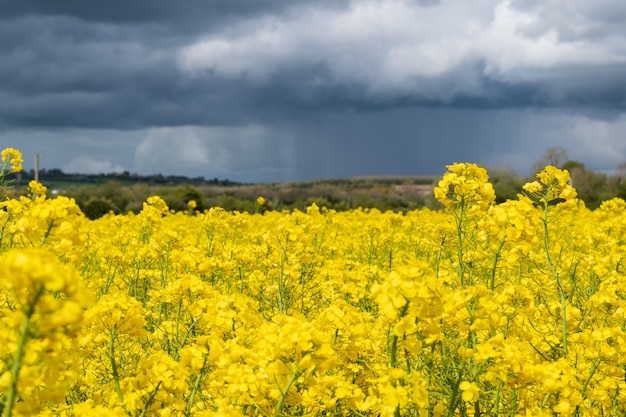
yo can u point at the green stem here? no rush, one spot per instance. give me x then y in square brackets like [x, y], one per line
[47, 234]
[17, 359]
[494, 267]
[185, 337]
[116, 375]
[177, 335]
[439, 254]
[196, 385]
[282, 287]
[496, 401]
[393, 349]
[393, 230]
[460, 225]
[283, 394]
[594, 368]
[454, 399]
[559, 284]
[150, 399]
[460, 253]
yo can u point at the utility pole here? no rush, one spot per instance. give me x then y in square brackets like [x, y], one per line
[37, 167]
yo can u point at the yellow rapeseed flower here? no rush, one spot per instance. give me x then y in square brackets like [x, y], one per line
[12, 157]
[465, 184]
[470, 391]
[37, 189]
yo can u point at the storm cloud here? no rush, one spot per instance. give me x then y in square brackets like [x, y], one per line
[273, 91]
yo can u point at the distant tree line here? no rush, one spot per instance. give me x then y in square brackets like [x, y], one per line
[383, 194]
[98, 194]
[56, 176]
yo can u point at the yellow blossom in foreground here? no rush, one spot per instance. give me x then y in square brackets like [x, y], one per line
[40, 314]
[13, 158]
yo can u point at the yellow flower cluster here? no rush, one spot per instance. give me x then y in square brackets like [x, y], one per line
[467, 185]
[42, 308]
[553, 185]
[515, 309]
[10, 162]
[12, 158]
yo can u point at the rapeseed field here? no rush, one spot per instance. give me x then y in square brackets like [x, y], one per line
[516, 309]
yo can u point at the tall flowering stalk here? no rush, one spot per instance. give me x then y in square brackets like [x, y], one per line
[552, 188]
[466, 190]
[11, 162]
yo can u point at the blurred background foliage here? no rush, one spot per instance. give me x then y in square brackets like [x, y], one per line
[122, 193]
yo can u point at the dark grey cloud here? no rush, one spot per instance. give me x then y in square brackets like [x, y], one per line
[103, 64]
[440, 54]
[277, 89]
[185, 18]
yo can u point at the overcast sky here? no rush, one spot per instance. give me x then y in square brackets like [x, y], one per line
[282, 90]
